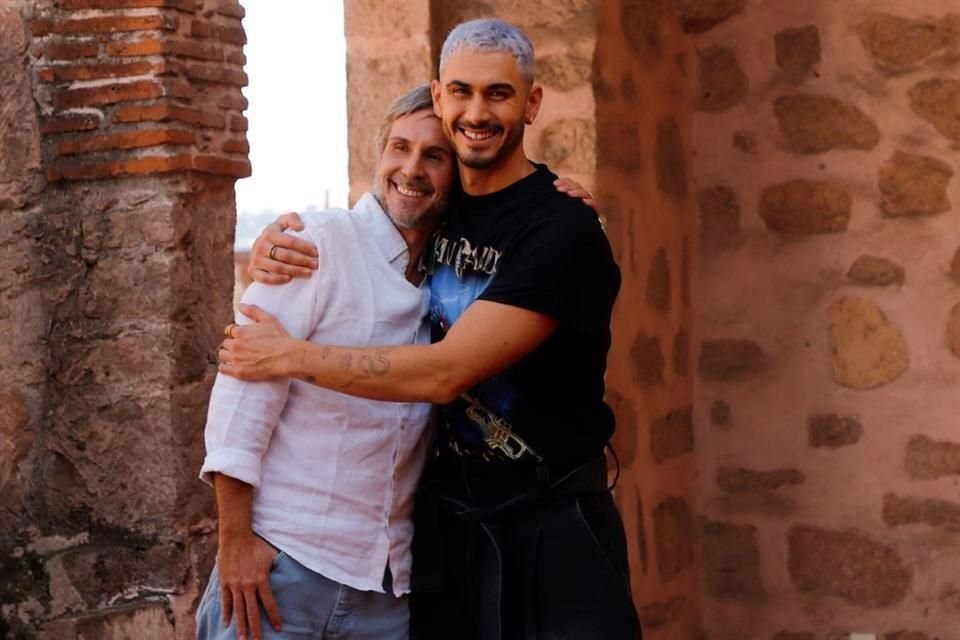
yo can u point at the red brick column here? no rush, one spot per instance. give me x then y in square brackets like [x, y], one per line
[121, 136]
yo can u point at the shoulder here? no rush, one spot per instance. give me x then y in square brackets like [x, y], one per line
[319, 225]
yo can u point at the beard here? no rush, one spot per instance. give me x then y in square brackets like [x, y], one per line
[490, 157]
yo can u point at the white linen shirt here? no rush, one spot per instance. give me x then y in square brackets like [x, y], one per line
[334, 475]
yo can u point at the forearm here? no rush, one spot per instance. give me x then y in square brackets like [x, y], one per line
[406, 373]
[234, 507]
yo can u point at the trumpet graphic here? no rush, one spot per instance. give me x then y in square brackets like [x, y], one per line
[496, 431]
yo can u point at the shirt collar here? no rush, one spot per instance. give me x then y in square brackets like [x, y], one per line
[391, 243]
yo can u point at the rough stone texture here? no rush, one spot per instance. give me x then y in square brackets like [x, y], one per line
[805, 207]
[898, 44]
[648, 363]
[720, 414]
[658, 290]
[745, 141]
[641, 21]
[721, 82]
[832, 431]
[697, 16]
[671, 163]
[564, 72]
[907, 635]
[625, 435]
[130, 621]
[953, 330]
[868, 350]
[642, 546]
[675, 535]
[731, 560]
[681, 353]
[876, 271]
[816, 123]
[661, 614]
[798, 51]
[938, 102]
[950, 597]
[902, 510]
[740, 480]
[719, 214]
[928, 459]
[619, 143]
[846, 564]
[672, 434]
[720, 359]
[570, 145]
[912, 185]
[795, 635]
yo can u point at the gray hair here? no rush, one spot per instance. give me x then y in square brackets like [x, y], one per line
[491, 34]
[417, 99]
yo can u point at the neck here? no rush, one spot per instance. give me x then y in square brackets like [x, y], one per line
[416, 240]
[479, 182]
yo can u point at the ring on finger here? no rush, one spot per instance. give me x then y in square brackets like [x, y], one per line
[273, 252]
[228, 330]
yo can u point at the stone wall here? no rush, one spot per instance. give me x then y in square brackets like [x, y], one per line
[826, 137]
[121, 135]
[596, 62]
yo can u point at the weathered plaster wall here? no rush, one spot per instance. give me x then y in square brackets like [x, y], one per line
[121, 135]
[826, 409]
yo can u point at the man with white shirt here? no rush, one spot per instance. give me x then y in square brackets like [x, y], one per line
[315, 488]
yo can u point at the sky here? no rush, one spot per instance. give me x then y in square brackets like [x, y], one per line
[296, 62]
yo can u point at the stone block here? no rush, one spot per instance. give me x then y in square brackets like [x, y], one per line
[642, 548]
[953, 330]
[867, 349]
[117, 623]
[728, 358]
[740, 480]
[618, 146]
[928, 459]
[698, 16]
[795, 635]
[671, 160]
[625, 435]
[657, 615]
[848, 565]
[745, 141]
[570, 145]
[658, 291]
[675, 535]
[806, 207]
[797, 51]
[731, 560]
[646, 355]
[832, 431]
[876, 271]
[721, 82]
[950, 597]
[937, 101]
[16, 436]
[902, 510]
[642, 25]
[816, 123]
[898, 44]
[955, 265]
[907, 635]
[672, 435]
[564, 72]
[913, 185]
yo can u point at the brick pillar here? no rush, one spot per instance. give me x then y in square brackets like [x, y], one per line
[127, 119]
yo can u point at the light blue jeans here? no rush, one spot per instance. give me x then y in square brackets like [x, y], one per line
[312, 606]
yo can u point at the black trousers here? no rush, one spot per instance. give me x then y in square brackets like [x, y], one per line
[549, 567]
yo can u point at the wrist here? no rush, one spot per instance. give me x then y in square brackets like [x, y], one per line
[290, 361]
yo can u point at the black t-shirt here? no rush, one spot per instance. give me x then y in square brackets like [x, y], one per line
[529, 246]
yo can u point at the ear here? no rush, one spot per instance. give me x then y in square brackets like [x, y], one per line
[534, 100]
[435, 90]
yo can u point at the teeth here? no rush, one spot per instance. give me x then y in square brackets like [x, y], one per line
[478, 135]
[410, 193]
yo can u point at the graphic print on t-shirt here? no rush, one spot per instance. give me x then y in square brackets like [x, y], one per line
[480, 419]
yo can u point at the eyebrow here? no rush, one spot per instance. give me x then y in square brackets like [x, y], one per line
[496, 86]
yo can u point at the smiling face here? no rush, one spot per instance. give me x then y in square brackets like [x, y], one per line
[484, 102]
[416, 171]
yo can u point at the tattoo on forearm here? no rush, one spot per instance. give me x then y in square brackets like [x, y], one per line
[345, 361]
[325, 354]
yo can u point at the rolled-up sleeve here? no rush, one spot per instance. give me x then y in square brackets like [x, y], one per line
[242, 415]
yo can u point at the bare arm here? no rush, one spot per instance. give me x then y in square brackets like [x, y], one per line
[477, 346]
[243, 560]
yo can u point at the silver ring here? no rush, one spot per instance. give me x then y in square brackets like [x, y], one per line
[273, 251]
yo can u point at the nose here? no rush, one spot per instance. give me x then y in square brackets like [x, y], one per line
[476, 112]
[413, 165]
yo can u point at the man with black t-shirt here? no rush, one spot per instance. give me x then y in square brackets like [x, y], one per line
[516, 533]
